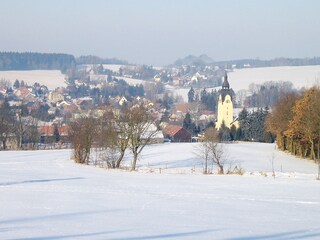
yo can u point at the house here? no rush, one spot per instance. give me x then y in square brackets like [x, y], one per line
[157, 78]
[55, 96]
[25, 94]
[177, 81]
[183, 108]
[156, 135]
[84, 102]
[198, 77]
[122, 101]
[176, 134]
[3, 90]
[47, 134]
[207, 116]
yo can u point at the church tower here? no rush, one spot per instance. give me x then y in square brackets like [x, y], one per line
[225, 105]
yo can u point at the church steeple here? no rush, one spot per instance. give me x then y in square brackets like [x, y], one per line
[225, 84]
[225, 105]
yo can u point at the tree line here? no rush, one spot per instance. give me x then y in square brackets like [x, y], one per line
[35, 61]
[209, 99]
[264, 95]
[295, 120]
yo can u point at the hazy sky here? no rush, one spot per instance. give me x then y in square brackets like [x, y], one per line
[158, 32]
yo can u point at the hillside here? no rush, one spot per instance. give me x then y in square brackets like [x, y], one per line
[300, 76]
[193, 60]
[243, 63]
[50, 78]
[35, 61]
[44, 195]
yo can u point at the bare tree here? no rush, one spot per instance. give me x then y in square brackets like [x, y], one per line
[108, 140]
[212, 152]
[81, 134]
[32, 132]
[142, 129]
[122, 127]
[20, 126]
[6, 123]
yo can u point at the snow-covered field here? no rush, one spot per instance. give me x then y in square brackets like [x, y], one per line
[300, 76]
[44, 195]
[51, 78]
[113, 67]
[133, 81]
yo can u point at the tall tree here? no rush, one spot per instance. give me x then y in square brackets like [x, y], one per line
[191, 95]
[278, 120]
[56, 133]
[188, 124]
[6, 123]
[81, 134]
[142, 129]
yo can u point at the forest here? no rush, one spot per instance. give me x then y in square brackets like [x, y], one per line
[35, 61]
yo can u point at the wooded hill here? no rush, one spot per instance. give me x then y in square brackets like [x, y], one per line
[35, 61]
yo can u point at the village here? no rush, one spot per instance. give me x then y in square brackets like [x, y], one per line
[91, 88]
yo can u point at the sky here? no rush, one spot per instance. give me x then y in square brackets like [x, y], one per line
[157, 32]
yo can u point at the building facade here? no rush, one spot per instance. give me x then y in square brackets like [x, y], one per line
[225, 106]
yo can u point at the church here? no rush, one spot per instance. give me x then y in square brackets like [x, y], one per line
[225, 106]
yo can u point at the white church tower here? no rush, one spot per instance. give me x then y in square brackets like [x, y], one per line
[225, 105]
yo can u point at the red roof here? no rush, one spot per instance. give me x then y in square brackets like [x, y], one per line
[171, 130]
[49, 130]
[182, 107]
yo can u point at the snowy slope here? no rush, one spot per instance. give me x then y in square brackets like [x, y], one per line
[300, 76]
[44, 195]
[51, 78]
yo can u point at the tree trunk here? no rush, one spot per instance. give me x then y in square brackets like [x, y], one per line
[119, 160]
[284, 143]
[318, 150]
[313, 154]
[134, 162]
[206, 166]
[221, 171]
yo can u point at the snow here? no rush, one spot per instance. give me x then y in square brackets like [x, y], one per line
[44, 195]
[183, 92]
[133, 81]
[51, 78]
[300, 76]
[113, 67]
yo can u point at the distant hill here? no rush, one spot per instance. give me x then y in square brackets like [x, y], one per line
[90, 59]
[276, 62]
[35, 61]
[193, 60]
[241, 63]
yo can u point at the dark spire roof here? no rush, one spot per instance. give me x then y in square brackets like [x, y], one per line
[225, 84]
[225, 88]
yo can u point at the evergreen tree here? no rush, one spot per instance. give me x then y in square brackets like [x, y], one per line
[233, 133]
[188, 124]
[56, 133]
[191, 95]
[224, 133]
[244, 124]
[16, 84]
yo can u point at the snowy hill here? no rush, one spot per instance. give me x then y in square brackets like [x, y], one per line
[51, 78]
[44, 195]
[300, 76]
